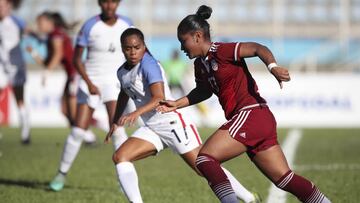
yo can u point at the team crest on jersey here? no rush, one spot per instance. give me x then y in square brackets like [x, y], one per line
[214, 65]
[111, 48]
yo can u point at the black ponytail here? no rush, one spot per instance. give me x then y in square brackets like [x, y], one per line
[204, 12]
[58, 20]
[195, 22]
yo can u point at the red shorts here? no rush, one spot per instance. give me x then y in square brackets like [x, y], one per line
[255, 128]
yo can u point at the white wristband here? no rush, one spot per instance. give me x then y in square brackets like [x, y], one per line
[271, 66]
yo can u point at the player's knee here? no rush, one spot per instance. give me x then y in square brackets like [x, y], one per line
[116, 158]
[119, 157]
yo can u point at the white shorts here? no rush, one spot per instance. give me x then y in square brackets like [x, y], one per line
[108, 92]
[171, 134]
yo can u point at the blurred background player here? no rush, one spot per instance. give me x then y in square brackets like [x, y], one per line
[220, 69]
[175, 69]
[100, 35]
[142, 79]
[12, 64]
[59, 51]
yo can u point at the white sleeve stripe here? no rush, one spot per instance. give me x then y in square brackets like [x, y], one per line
[236, 51]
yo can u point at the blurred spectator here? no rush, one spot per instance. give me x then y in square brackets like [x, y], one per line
[12, 65]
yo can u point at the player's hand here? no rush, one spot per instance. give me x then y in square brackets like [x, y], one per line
[166, 106]
[110, 133]
[129, 119]
[281, 75]
[29, 49]
[93, 89]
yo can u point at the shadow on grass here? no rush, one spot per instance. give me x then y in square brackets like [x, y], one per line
[45, 185]
[25, 183]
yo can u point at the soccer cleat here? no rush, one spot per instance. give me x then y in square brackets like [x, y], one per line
[26, 141]
[58, 182]
[257, 198]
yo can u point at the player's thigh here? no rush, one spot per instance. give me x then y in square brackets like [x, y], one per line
[222, 146]
[134, 149]
[83, 116]
[19, 94]
[272, 162]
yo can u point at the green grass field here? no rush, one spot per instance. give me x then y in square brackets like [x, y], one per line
[329, 157]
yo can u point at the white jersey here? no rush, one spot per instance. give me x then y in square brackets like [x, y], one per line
[12, 65]
[136, 81]
[104, 54]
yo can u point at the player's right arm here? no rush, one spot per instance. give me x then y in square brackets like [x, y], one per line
[80, 67]
[121, 103]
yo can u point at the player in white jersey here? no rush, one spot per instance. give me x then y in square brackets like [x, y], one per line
[12, 64]
[100, 36]
[142, 79]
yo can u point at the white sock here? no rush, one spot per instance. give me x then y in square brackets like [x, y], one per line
[89, 136]
[240, 191]
[129, 182]
[119, 137]
[24, 123]
[71, 148]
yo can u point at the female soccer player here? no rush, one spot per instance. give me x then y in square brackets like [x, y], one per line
[12, 64]
[100, 36]
[142, 79]
[60, 51]
[220, 68]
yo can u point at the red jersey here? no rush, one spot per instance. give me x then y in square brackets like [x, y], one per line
[228, 77]
[68, 51]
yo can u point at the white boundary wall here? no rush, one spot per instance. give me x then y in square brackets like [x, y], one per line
[309, 100]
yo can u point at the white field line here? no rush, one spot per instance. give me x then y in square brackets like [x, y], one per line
[289, 148]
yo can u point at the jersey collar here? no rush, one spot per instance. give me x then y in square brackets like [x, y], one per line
[212, 49]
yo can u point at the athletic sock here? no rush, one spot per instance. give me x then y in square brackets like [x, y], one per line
[129, 182]
[71, 148]
[119, 137]
[240, 191]
[303, 189]
[217, 179]
[89, 136]
[24, 123]
[102, 124]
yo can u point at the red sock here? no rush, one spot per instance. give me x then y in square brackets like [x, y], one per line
[218, 181]
[303, 189]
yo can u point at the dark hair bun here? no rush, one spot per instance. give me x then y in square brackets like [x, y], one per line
[204, 12]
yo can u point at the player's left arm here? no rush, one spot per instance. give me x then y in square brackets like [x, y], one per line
[252, 49]
[157, 95]
[121, 103]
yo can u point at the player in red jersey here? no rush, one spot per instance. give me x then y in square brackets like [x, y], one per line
[220, 68]
[60, 51]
